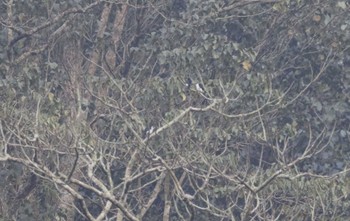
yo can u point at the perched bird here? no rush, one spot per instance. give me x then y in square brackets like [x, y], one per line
[149, 131]
[200, 88]
[188, 83]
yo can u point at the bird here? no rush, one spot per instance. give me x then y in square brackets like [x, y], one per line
[200, 88]
[149, 131]
[188, 83]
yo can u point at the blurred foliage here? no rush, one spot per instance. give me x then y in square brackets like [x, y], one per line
[290, 57]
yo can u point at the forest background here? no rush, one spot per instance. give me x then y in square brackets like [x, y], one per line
[99, 120]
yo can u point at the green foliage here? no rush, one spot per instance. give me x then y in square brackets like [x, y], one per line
[276, 75]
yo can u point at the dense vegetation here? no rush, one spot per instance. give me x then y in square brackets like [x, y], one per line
[101, 118]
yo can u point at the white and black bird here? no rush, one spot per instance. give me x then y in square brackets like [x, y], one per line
[200, 88]
[188, 83]
[149, 131]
